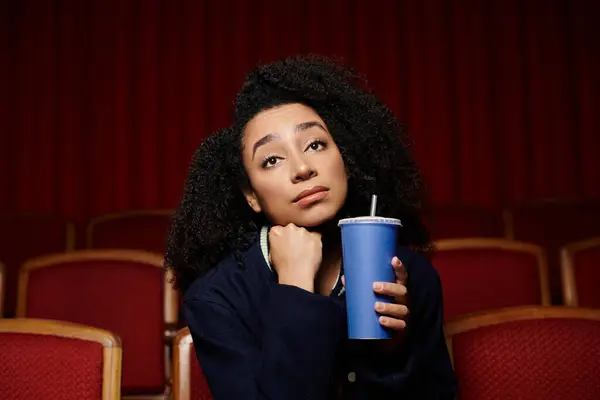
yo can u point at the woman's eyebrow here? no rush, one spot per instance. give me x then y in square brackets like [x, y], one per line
[264, 140]
[307, 125]
[275, 136]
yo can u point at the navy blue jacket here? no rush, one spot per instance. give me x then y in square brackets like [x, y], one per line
[256, 339]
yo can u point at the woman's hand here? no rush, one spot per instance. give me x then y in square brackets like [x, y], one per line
[393, 315]
[296, 255]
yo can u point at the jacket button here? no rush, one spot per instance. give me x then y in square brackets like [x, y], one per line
[352, 377]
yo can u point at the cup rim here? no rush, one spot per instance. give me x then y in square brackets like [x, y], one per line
[370, 220]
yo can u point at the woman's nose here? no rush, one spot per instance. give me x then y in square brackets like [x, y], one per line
[303, 171]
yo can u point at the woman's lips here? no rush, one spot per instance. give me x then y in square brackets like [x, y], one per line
[312, 198]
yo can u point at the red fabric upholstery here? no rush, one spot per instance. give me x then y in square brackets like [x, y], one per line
[482, 279]
[199, 389]
[141, 232]
[49, 367]
[120, 296]
[23, 237]
[462, 221]
[535, 359]
[586, 268]
[553, 224]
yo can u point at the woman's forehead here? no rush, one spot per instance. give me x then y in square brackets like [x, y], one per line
[279, 119]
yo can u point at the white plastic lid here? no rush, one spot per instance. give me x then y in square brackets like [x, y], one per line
[370, 220]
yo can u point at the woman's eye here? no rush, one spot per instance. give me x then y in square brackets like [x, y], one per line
[316, 146]
[270, 162]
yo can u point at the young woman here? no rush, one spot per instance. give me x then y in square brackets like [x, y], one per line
[256, 249]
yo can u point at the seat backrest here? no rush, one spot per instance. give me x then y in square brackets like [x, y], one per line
[460, 221]
[42, 359]
[527, 353]
[553, 224]
[580, 271]
[123, 291]
[24, 236]
[189, 382]
[481, 274]
[140, 230]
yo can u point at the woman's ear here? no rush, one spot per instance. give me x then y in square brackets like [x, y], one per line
[252, 199]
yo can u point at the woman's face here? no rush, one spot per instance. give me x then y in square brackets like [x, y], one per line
[295, 168]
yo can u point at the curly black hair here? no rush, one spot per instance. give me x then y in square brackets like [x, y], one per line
[214, 219]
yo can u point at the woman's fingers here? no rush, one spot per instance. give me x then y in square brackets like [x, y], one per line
[399, 271]
[392, 323]
[390, 289]
[394, 310]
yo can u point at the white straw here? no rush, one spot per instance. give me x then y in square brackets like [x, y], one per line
[373, 205]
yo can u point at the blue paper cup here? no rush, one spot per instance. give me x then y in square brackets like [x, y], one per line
[368, 245]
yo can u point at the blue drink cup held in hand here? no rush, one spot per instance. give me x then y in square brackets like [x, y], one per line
[368, 247]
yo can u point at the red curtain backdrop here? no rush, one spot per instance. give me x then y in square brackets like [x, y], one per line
[105, 100]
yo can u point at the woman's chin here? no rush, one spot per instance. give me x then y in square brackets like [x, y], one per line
[316, 216]
[316, 219]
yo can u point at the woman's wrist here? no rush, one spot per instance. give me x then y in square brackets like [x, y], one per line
[307, 284]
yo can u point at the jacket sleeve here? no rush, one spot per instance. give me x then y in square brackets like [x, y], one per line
[293, 359]
[420, 368]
